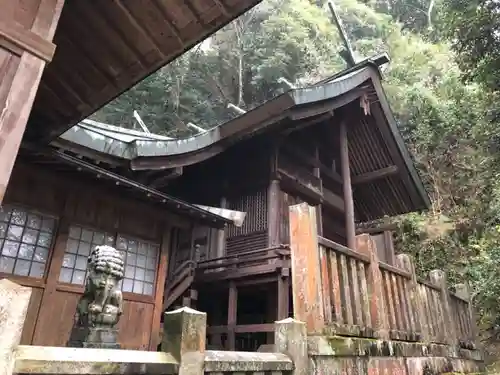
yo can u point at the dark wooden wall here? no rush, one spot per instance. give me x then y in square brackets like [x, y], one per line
[236, 179]
[303, 156]
[71, 203]
[252, 235]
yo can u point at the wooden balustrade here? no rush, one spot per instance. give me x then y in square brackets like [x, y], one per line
[350, 292]
[345, 289]
[430, 312]
[398, 302]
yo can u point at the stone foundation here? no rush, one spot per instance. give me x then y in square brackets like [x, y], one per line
[341, 355]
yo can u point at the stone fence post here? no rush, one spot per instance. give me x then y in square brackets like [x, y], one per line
[290, 338]
[184, 335]
[14, 301]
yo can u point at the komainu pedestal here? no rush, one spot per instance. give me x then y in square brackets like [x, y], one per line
[101, 305]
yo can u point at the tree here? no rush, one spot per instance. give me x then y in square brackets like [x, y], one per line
[473, 27]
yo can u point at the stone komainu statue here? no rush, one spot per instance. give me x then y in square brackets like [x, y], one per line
[102, 303]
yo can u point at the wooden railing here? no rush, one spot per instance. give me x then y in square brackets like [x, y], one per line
[412, 310]
[345, 288]
[462, 314]
[398, 303]
[358, 295]
[246, 264]
[178, 282]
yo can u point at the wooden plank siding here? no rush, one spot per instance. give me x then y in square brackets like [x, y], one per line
[53, 302]
[26, 33]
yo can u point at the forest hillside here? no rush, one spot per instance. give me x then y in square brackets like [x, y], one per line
[442, 83]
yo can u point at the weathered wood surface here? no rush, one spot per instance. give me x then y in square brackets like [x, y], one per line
[306, 269]
[26, 34]
[358, 295]
[53, 302]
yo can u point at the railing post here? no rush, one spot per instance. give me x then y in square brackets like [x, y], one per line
[290, 338]
[405, 262]
[380, 324]
[14, 301]
[306, 271]
[184, 337]
[438, 278]
[462, 291]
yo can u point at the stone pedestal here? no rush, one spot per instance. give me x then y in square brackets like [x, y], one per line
[14, 301]
[94, 337]
[290, 338]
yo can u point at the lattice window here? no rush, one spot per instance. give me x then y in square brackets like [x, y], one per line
[141, 258]
[140, 265]
[25, 240]
[80, 242]
[255, 205]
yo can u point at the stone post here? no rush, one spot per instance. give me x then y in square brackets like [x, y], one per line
[380, 323]
[14, 301]
[290, 338]
[438, 278]
[184, 335]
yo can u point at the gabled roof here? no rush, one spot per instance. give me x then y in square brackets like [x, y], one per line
[375, 143]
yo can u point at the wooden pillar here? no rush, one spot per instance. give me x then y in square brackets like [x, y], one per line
[25, 48]
[160, 287]
[273, 216]
[347, 187]
[317, 173]
[221, 235]
[283, 296]
[232, 312]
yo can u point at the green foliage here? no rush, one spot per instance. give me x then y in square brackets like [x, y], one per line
[448, 124]
[473, 27]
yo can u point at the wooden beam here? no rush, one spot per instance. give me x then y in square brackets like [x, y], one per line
[162, 268]
[331, 174]
[332, 200]
[25, 40]
[19, 80]
[283, 297]
[346, 177]
[375, 175]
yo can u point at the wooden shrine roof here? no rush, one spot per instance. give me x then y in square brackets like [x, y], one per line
[105, 47]
[375, 143]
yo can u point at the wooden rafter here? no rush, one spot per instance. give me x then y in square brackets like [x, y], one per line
[375, 175]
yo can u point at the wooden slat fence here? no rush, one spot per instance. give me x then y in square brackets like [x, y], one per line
[398, 302]
[358, 295]
[430, 312]
[345, 289]
[463, 317]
